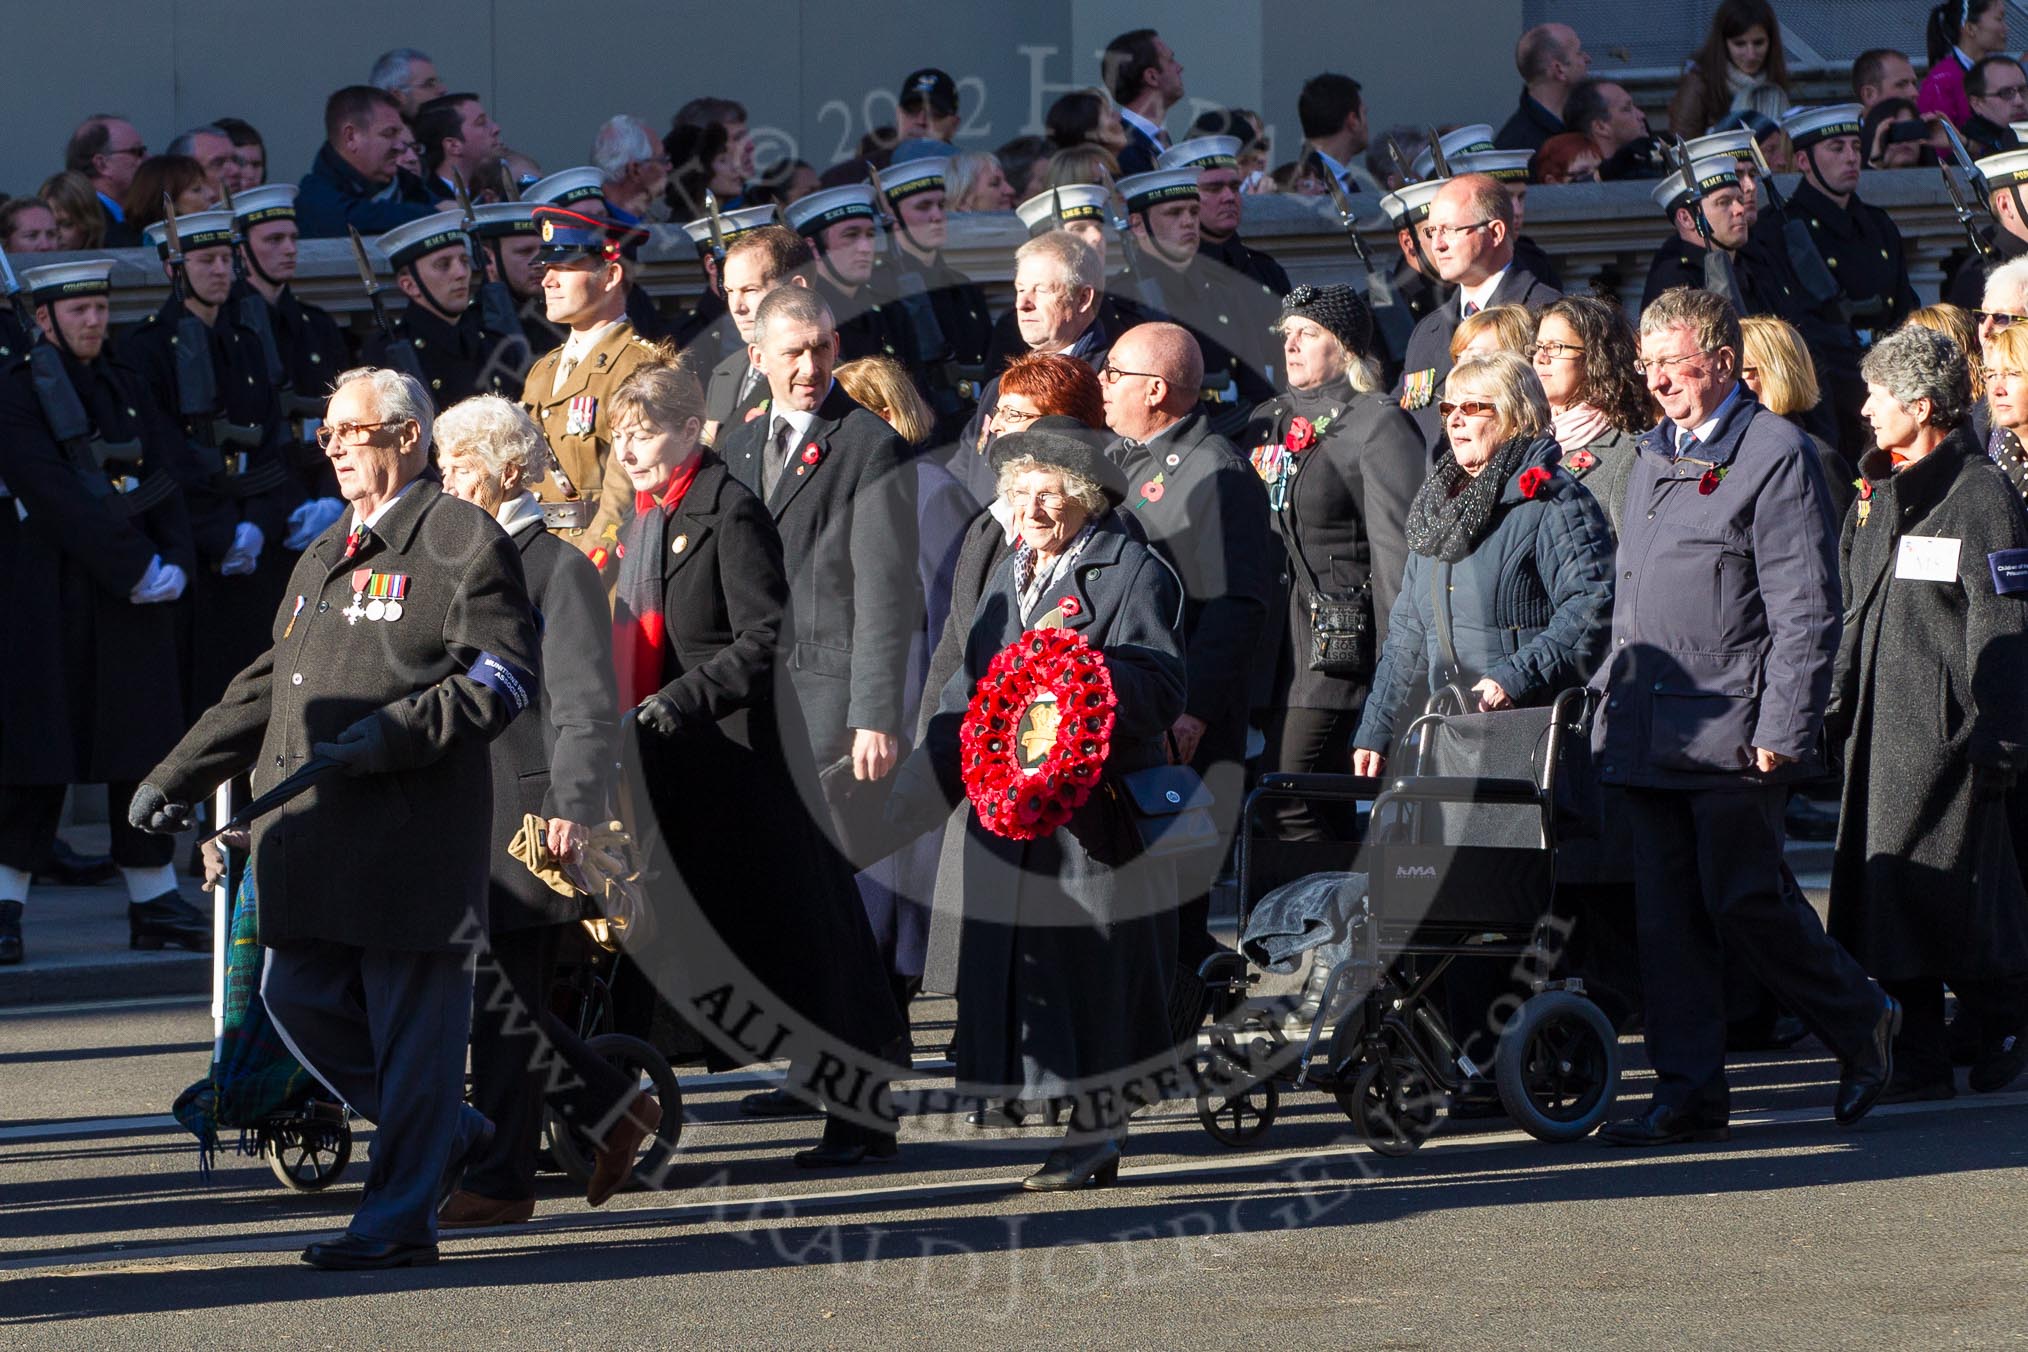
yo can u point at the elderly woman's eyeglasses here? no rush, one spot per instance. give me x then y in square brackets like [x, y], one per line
[1554, 351]
[1013, 417]
[1471, 408]
[1047, 501]
[351, 433]
[1999, 319]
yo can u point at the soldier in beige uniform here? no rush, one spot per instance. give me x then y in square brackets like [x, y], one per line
[584, 289]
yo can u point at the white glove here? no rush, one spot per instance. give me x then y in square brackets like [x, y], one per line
[311, 520]
[162, 582]
[245, 552]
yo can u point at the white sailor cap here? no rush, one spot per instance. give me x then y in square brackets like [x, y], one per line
[566, 186]
[67, 281]
[1408, 205]
[914, 176]
[1710, 173]
[269, 202]
[418, 239]
[811, 216]
[1458, 141]
[1738, 144]
[1807, 126]
[1509, 166]
[494, 220]
[732, 225]
[1200, 153]
[194, 230]
[1075, 202]
[2007, 169]
[1151, 189]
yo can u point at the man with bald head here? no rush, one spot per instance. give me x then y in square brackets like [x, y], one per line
[1552, 60]
[1204, 509]
[1469, 240]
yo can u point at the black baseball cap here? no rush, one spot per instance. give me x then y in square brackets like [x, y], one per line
[932, 86]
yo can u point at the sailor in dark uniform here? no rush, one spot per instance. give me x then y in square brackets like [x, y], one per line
[1474, 138]
[1685, 260]
[509, 239]
[583, 189]
[1216, 160]
[97, 550]
[1859, 245]
[432, 265]
[206, 369]
[2007, 239]
[1414, 282]
[843, 226]
[1231, 316]
[1510, 169]
[719, 341]
[940, 311]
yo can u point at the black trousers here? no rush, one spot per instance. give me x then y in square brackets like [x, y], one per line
[29, 814]
[1997, 1005]
[1307, 742]
[1710, 883]
[524, 1056]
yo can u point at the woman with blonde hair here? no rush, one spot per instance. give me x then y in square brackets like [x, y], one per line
[1776, 367]
[975, 182]
[882, 384]
[2006, 381]
[80, 219]
[1497, 328]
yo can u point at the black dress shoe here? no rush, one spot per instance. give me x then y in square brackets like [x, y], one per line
[354, 1253]
[1996, 1068]
[10, 933]
[776, 1103]
[167, 920]
[1071, 1167]
[845, 1152]
[1663, 1125]
[1863, 1082]
[62, 866]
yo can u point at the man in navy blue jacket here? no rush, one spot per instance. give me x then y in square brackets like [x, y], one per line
[1725, 626]
[356, 178]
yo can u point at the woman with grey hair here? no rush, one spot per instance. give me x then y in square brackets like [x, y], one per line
[1926, 700]
[1068, 940]
[558, 768]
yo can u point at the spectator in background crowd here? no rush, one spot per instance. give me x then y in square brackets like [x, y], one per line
[1552, 61]
[212, 148]
[634, 170]
[1497, 328]
[178, 178]
[1996, 90]
[1145, 80]
[1332, 113]
[2004, 302]
[1883, 73]
[1740, 67]
[356, 178]
[703, 158]
[783, 182]
[1082, 164]
[1607, 113]
[975, 182]
[457, 136]
[1567, 157]
[27, 225]
[250, 153]
[80, 212]
[733, 163]
[1025, 162]
[1775, 365]
[1959, 32]
[927, 109]
[408, 77]
[108, 151]
[1894, 137]
[1087, 118]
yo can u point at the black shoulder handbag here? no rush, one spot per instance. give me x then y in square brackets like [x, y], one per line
[1339, 640]
[1171, 808]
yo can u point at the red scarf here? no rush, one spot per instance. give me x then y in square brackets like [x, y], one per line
[640, 632]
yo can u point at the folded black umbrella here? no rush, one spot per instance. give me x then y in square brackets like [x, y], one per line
[313, 770]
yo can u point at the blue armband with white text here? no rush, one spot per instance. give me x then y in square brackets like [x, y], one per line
[499, 675]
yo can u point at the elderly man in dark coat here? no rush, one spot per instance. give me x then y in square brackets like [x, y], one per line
[1714, 706]
[404, 645]
[1930, 699]
[1204, 510]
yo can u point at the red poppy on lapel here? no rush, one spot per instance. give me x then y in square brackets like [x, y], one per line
[1302, 435]
[1708, 484]
[811, 454]
[1580, 460]
[1069, 606]
[1151, 491]
[1532, 480]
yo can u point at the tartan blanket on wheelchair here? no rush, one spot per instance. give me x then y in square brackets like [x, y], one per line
[252, 1073]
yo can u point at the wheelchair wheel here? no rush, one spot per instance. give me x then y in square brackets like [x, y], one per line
[1558, 1066]
[575, 1153]
[1236, 1108]
[1393, 1104]
[308, 1150]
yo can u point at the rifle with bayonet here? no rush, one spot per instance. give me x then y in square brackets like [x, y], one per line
[498, 314]
[1389, 315]
[61, 407]
[1981, 246]
[1719, 278]
[400, 351]
[1819, 286]
[717, 224]
[1439, 162]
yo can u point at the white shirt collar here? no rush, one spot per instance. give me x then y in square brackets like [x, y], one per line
[1702, 431]
[370, 522]
[519, 513]
[582, 341]
[801, 419]
[1482, 294]
[1152, 130]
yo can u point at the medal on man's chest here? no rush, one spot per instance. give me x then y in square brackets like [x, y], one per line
[356, 612]
[582, 416]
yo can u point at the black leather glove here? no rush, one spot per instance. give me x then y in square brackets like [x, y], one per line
[657, 714]
[362, 748]
[152, 811]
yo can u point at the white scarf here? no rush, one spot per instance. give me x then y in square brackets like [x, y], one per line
[1578, 426]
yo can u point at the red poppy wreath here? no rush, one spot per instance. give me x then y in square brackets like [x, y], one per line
[1035, 738]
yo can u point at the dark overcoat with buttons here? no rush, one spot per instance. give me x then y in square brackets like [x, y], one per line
[1427, 363]
[1930, 701]
[1068, 942]
[398, 859]
[1231, 316]
[845, 510]
[1725, 610]
[90, 691]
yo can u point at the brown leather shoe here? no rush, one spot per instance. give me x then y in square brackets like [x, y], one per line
[469, 1211]
[616, 1157]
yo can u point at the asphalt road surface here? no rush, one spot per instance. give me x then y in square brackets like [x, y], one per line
[1911, 1231]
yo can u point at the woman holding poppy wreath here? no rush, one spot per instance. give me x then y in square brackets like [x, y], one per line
[1341, 462]
[1069, 937]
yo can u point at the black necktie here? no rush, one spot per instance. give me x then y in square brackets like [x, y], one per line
[777, 456]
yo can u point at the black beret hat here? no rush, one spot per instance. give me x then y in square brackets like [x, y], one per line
[1065, 444]
[1340, 310]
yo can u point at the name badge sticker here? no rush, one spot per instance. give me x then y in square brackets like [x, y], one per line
[1928, 558]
